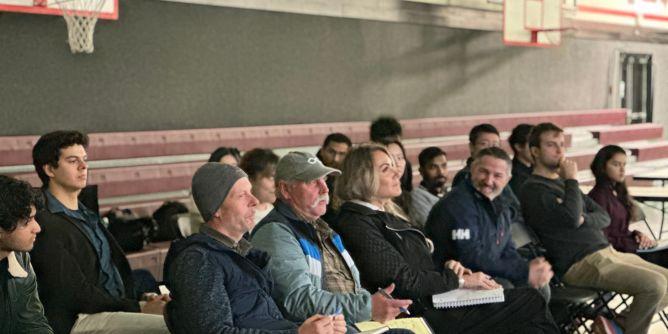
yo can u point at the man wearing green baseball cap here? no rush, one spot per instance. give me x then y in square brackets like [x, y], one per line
[312, 270]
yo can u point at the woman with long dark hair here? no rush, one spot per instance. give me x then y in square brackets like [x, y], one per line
[611, 193]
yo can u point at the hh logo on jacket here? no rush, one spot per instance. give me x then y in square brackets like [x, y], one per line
[461, 234]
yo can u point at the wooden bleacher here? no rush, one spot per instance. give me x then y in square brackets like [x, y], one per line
[648, 151]
[142, 169]
[631, 132]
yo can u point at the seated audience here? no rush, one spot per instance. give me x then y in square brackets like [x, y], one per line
[472, 225]
[522, 161]
[21, 311]
[226, 155]
[385, 128]
[388, 250]
[398, 154]
[611, 194]
[313, 271]
[332, 153]
[83, 276]
[219, 283]
[569, 225]
[260, 166]
[481, 136]
[434, 172]
[334, 150]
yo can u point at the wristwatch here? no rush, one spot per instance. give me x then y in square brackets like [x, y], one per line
[461, 282]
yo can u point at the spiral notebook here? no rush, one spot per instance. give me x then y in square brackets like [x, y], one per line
[467, 297]
[416, 325]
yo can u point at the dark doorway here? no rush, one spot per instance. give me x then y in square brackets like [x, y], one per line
[635, 86]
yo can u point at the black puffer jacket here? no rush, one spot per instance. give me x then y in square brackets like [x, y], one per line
[388, 250]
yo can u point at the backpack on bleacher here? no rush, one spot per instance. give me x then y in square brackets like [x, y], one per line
[167, 220]
[131, 232]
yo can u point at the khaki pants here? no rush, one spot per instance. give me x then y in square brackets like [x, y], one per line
[608, 269]
[119, 323]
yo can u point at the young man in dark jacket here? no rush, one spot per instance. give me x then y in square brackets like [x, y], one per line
[472, 225]
[483, 136]
[21, 310]
[522, 160]
[570, 226]
[218, 282]
[84, 278]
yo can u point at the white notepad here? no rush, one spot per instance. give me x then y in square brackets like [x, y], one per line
[467, 297]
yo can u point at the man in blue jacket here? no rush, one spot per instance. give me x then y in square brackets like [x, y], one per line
[472, 225]
[218, 282]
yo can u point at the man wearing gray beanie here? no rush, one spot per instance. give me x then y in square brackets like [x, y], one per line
[218, 282]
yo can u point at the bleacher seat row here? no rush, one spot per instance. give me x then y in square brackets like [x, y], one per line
[142, 169]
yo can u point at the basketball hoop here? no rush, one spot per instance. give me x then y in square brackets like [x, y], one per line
[81, 17]
[532, 22]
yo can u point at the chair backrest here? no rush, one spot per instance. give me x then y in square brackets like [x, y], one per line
[526, 241]
[638, 213]
[522, 235]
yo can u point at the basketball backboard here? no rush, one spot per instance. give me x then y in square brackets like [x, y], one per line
[532, 22]
[109, 10]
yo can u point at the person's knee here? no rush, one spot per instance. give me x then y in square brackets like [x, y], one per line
[530, 297]
[661, 285]
[654, 285]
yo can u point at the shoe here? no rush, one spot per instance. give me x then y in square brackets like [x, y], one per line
[603, 325]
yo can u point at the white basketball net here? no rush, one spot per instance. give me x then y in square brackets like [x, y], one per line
[81, 17]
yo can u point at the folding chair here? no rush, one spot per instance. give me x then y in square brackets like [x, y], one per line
[572, 306]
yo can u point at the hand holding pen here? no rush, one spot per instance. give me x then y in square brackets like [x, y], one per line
[339, 322]
[385, 308]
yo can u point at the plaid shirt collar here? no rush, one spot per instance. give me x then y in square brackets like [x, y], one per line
[242, 247]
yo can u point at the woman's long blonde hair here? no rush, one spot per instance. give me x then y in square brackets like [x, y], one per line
[359, 180]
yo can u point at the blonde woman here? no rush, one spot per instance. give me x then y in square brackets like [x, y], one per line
[388, 250]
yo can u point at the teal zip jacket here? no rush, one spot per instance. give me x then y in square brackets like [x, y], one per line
[296, 267]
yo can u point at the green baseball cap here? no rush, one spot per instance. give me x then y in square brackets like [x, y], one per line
[302, 166]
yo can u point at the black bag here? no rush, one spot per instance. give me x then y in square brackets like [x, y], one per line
[166, 218]
[131, 233]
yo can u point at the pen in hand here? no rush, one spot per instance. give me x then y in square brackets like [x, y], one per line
[388, 296]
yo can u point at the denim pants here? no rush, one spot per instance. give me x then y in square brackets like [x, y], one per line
[608, 269]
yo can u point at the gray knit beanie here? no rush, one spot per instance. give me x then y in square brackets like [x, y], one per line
[211, 184]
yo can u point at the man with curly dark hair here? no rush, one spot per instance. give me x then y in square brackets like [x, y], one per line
[21, 310]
